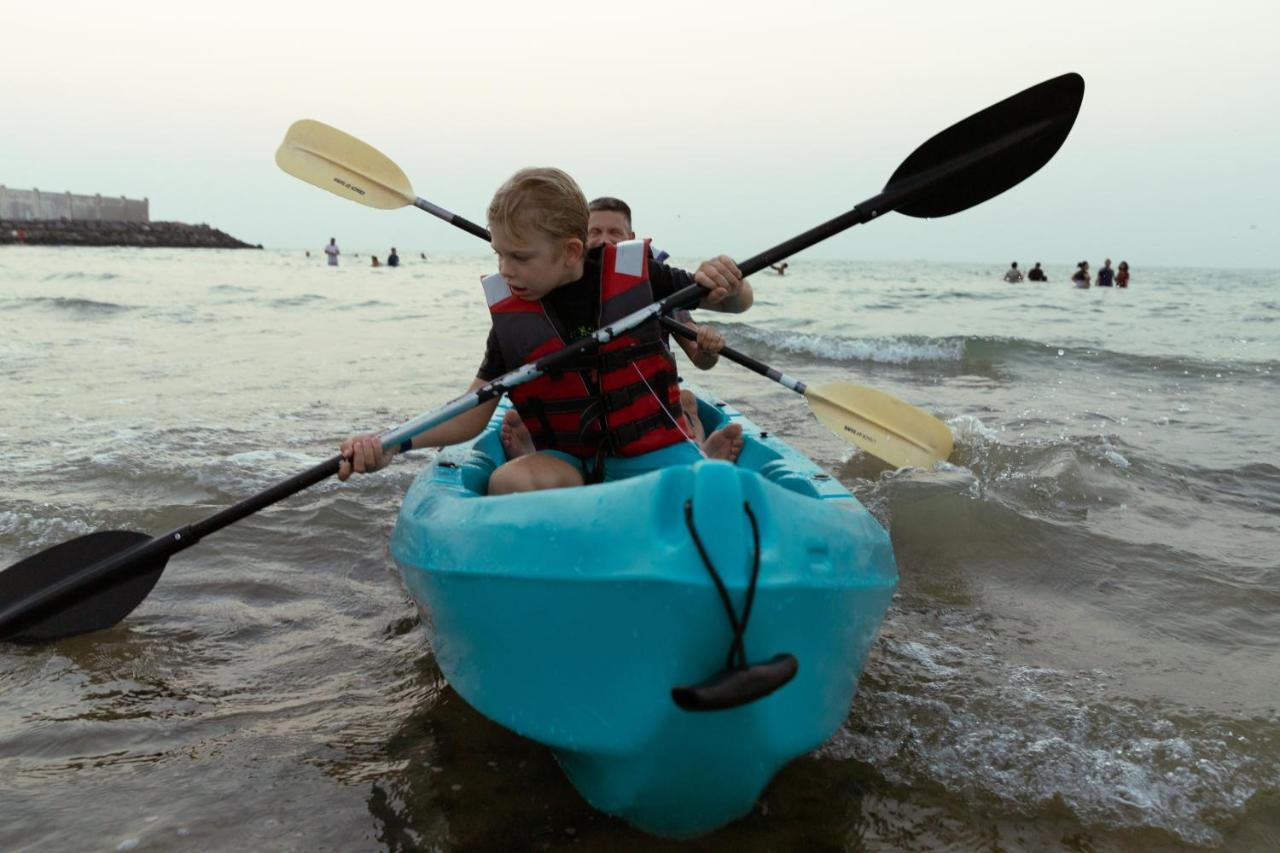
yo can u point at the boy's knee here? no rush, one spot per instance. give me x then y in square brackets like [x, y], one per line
[531, 474]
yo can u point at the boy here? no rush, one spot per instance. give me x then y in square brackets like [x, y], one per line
[554, 289]
[609, 221]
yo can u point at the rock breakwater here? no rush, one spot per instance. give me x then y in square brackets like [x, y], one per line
[80, 232]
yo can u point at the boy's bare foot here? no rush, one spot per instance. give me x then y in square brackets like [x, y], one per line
[724, 443]
[516, 439]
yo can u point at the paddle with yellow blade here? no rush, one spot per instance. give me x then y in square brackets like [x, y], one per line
[888, 428]
[345, 166]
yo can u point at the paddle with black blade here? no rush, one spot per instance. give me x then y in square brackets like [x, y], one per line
[94, 581]
[887, 428]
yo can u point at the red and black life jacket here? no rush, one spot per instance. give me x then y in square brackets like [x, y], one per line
[622, 399]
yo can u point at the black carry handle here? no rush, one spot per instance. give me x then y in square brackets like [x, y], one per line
[737, 687]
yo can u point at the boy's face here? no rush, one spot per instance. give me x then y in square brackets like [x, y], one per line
[608, 226]
[534, 266]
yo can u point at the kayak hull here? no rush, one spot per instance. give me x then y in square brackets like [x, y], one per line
[569, 617]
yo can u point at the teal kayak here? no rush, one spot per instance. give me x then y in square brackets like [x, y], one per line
[675, 638]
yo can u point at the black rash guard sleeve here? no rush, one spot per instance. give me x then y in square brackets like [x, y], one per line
[667, 280]
[493, 365]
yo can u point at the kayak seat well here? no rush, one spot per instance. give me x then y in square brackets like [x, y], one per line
[471, 465]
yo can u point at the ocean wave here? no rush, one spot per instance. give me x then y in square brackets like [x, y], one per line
[66, 303]
[980, 354]
[37, 529]
[1074, 473]
[882, 350]
[1037, 739]
[296, 301]
[80, 276]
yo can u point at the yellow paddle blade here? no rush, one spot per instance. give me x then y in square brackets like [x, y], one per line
[343, 165]
[884, 426]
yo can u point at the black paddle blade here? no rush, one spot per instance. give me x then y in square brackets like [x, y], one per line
[91, 608]
[1006, 143]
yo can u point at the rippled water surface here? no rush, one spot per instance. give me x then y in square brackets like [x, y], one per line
[1083, 651]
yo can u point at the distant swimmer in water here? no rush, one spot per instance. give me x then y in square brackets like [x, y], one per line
[332, 251]
[422, 255]
[1013, 273]
[308, 253]
[780, 269]
[1036, 274]
[1106, 274]
[1122, 275]
[393, 260]
[375, 261]
[1081, 275]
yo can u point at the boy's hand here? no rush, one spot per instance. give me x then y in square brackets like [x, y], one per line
[721, 276]
[363, 454]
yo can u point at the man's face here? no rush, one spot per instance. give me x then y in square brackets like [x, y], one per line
[536, 265]
[607, 226]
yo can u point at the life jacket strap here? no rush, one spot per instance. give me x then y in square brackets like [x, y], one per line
[620, 358]
[620, 398]
[624, 434]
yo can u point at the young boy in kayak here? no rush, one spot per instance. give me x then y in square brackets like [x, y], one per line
[609, 221]
[552, 291]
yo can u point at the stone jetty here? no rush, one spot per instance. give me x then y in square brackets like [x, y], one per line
[84, 232]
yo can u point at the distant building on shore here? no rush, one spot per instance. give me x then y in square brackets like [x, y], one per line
[30, 205]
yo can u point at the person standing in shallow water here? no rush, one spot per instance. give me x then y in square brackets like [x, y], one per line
[332, 251]
[393, 260]
[1122, 275]
[1106, 274]
[1036, 274]
[1013, 273]
[1081, 276]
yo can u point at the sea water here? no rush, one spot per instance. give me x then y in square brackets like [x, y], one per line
[1083, 652]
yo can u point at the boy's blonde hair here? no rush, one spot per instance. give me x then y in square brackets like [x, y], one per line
[542, 200]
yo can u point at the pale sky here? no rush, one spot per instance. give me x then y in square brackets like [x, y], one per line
[728, 126]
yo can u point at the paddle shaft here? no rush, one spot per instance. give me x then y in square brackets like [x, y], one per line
[452, 218]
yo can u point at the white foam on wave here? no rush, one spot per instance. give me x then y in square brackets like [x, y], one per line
[1115, 458]
[890, 350]
[41, 531]
[968, 429]
[982, 727]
